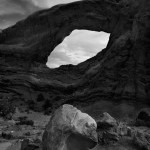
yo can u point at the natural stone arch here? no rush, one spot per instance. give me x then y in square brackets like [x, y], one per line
[41, 32]
[121, 71]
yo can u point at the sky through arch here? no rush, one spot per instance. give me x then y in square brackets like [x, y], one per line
[79, 46]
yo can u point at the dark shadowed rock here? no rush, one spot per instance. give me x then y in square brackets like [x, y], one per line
[120, 72]
[106, 121]
[70, 129]
[107, 129]
[107, 137]
[7, 135]
[25, 121]
[143, 118]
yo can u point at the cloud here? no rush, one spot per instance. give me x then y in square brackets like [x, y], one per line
[23, 8]
[7, 7]
[9, 19]
[12, 11]
[78, 47]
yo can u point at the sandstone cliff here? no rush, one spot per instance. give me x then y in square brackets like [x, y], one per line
[120, 72]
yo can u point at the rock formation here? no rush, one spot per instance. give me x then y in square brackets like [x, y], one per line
[70, 129]
[143, 118]
[106, 121]
[120, 72]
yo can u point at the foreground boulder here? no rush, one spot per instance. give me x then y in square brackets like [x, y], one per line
[70, 129]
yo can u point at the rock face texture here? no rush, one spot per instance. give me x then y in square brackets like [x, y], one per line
[70, 129]
[120, 72]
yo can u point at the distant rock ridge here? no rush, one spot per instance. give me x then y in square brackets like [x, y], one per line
[120, 72]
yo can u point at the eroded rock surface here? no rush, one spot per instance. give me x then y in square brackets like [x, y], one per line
[70, 129]
[120, 72]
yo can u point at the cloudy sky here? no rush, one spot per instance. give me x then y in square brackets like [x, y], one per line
[79, 46]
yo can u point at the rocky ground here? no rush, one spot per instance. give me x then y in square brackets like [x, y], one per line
[25, 130]
[14, 131]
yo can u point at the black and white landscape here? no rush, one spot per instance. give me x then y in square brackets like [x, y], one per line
[112, 89]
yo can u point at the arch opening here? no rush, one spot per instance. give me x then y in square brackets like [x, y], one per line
[79, 46]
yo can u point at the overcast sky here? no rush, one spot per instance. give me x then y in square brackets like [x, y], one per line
[79, 46]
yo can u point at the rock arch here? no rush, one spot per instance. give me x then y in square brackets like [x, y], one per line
[35, 37]
[121, 71]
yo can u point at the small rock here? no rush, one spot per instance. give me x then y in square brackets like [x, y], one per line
[122, 129]
[27, 133]
[25, 121]
[106, 121]
[129, 131]
[7, 135]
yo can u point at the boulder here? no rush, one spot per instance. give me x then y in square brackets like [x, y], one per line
[106, 121]
[107, 129]
[143, 117]
[70, 129]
